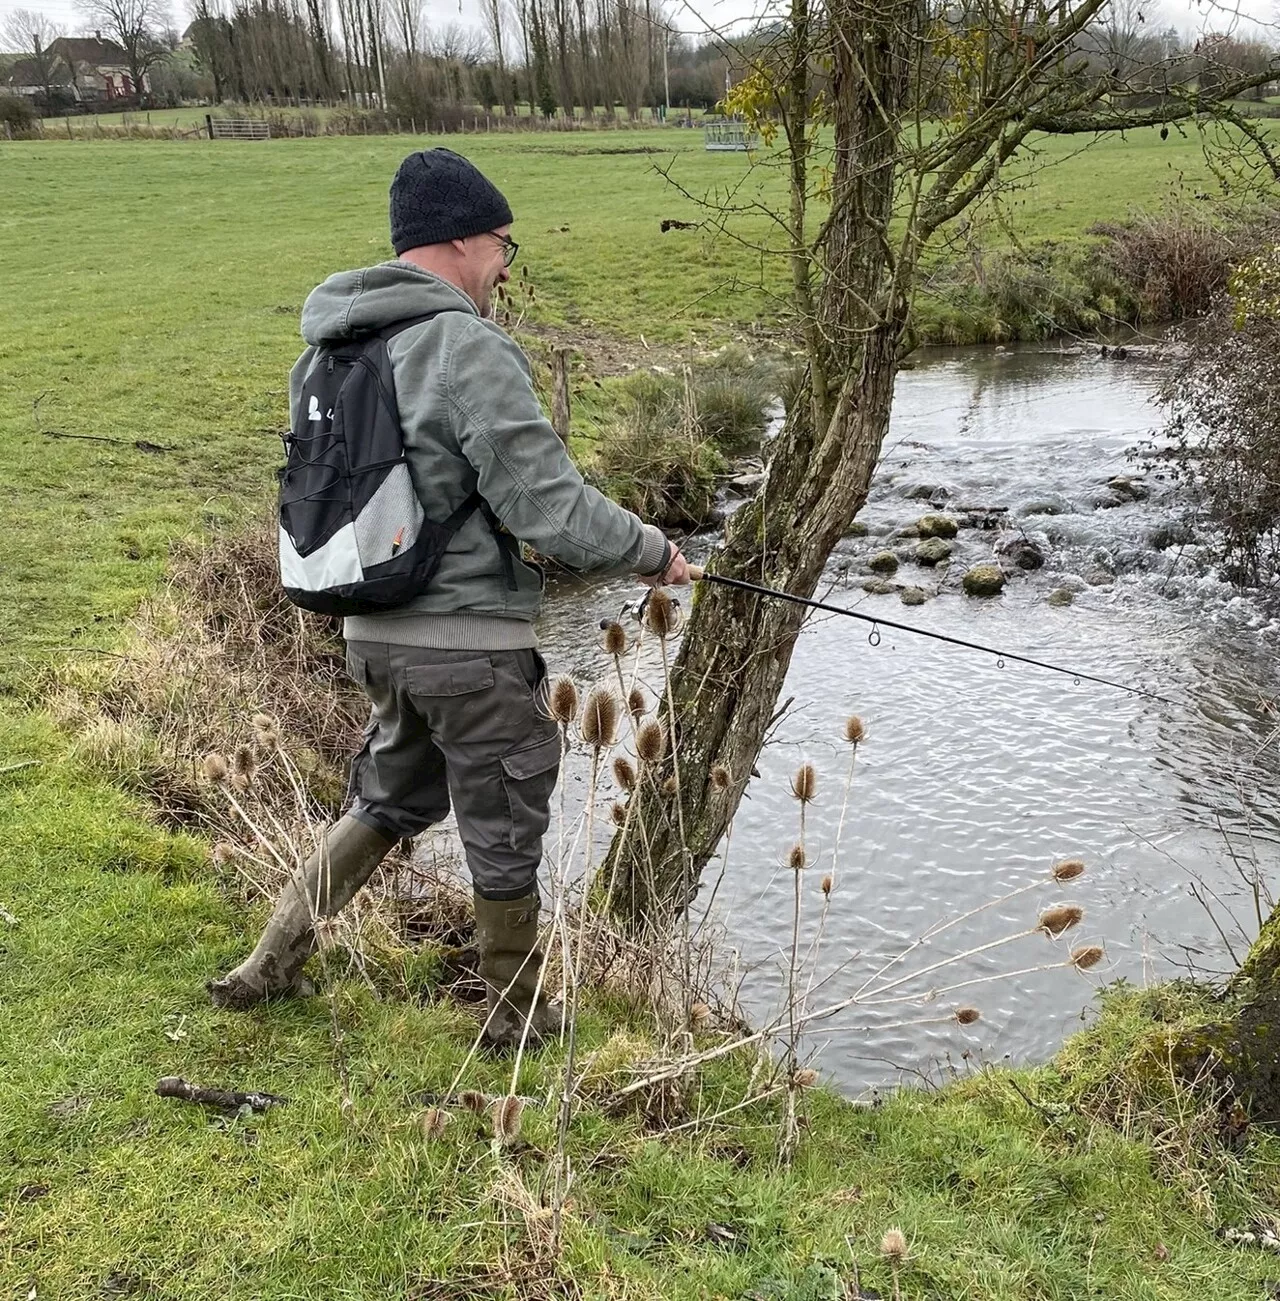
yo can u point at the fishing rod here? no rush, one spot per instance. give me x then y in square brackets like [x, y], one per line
[698, 574]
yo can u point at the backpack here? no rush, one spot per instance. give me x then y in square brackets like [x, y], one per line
[354, 538]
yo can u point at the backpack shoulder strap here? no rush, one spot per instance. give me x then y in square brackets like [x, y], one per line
[398, 327]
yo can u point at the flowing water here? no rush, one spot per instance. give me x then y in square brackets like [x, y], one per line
[976, 776]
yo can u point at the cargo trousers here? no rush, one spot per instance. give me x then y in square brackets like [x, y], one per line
[467, 729]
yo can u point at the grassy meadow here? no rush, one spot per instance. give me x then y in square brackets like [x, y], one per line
[153, 291]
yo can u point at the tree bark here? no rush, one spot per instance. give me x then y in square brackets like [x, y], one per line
[737, 648]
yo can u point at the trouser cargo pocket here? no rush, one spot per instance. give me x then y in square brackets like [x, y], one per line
[528, 778]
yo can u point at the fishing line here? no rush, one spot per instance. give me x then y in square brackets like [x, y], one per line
[700, 575]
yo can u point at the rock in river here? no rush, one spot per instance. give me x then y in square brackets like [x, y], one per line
[1022, 550]
[913, 596]
[936, 526]
[883, 562]
[932, 551]
[984, 580]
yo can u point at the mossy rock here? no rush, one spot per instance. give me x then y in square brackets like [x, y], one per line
[984, 580]
[877, 587]
[883, 562]
[1061, 596]
[906, 531]
[857, 530]
[933, 551]
[913, 596]
[937, 526]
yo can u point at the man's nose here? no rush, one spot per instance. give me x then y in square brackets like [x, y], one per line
[504, 275]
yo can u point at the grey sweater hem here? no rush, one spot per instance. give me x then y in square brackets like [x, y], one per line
[478, 632]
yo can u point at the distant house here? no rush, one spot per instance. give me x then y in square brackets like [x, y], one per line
[86, 70]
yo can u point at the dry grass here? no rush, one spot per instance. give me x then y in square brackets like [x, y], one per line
[218, 645]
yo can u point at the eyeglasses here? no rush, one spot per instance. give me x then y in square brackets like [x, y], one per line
[509, 247]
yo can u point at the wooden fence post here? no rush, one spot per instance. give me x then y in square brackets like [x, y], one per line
[560, 412]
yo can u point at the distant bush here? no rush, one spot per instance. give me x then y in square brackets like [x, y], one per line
[1150, 269]
[18, 116]
[667, 438]
[1224, 410]
[1175, 262]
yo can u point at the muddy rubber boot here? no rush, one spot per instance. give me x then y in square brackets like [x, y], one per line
[328, 881]
[506, 937]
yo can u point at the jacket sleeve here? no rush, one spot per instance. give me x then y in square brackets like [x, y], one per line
[524, 472]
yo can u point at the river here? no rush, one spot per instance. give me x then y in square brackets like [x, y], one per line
[977, 775]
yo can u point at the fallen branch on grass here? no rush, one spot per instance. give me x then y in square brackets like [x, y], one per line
[20, 765]
[224, 1099]
[139, 444]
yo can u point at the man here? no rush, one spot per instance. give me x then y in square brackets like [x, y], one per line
[454, 677]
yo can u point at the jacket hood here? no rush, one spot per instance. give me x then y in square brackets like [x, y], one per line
[350, 303]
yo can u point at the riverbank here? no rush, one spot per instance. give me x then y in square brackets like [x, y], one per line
[1002, 1184]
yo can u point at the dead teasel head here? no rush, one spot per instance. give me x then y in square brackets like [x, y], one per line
[239, 782]
[223, 852]
[651, 741]
[660, 613]
[624, 773]
[670, 786]
[506, 1113]
[614, 639]
[854, 731]
[805, 1078]
[1087, 956]
[600, 718]
[562, 699]
[804, 785]
[699, 1015]
[720, 779]
[1068, 869]
[473, 1100]
[434, 1120]
[828, 881]
[265, 723]
[968, 1015]
[893, 1246]
[268, 741]
[244, 762]
[215, 767]
[618, 813]
[635, 703]
[797, 858]
[1054, 921]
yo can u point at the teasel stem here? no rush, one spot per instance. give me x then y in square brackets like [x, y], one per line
[898, 981]
[844, 805]
[685, 864]
[1068, 965]
[803, 789]
[571, 1006]
[938, 927]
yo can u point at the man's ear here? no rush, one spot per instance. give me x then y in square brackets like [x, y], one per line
[459, 247]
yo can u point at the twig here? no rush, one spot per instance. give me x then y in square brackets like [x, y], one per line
[172, 1086]
[138, 444]
[18, 767]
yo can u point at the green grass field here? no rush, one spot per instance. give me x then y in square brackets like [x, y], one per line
[171, 315]
[154, 290]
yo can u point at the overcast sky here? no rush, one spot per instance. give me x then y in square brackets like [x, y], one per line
[693, 16]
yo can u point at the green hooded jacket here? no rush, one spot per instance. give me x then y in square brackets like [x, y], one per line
[471, 420]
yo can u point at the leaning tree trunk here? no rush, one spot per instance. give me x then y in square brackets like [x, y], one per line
[737, 647]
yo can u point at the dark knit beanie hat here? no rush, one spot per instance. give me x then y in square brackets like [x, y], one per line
[438, 195]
